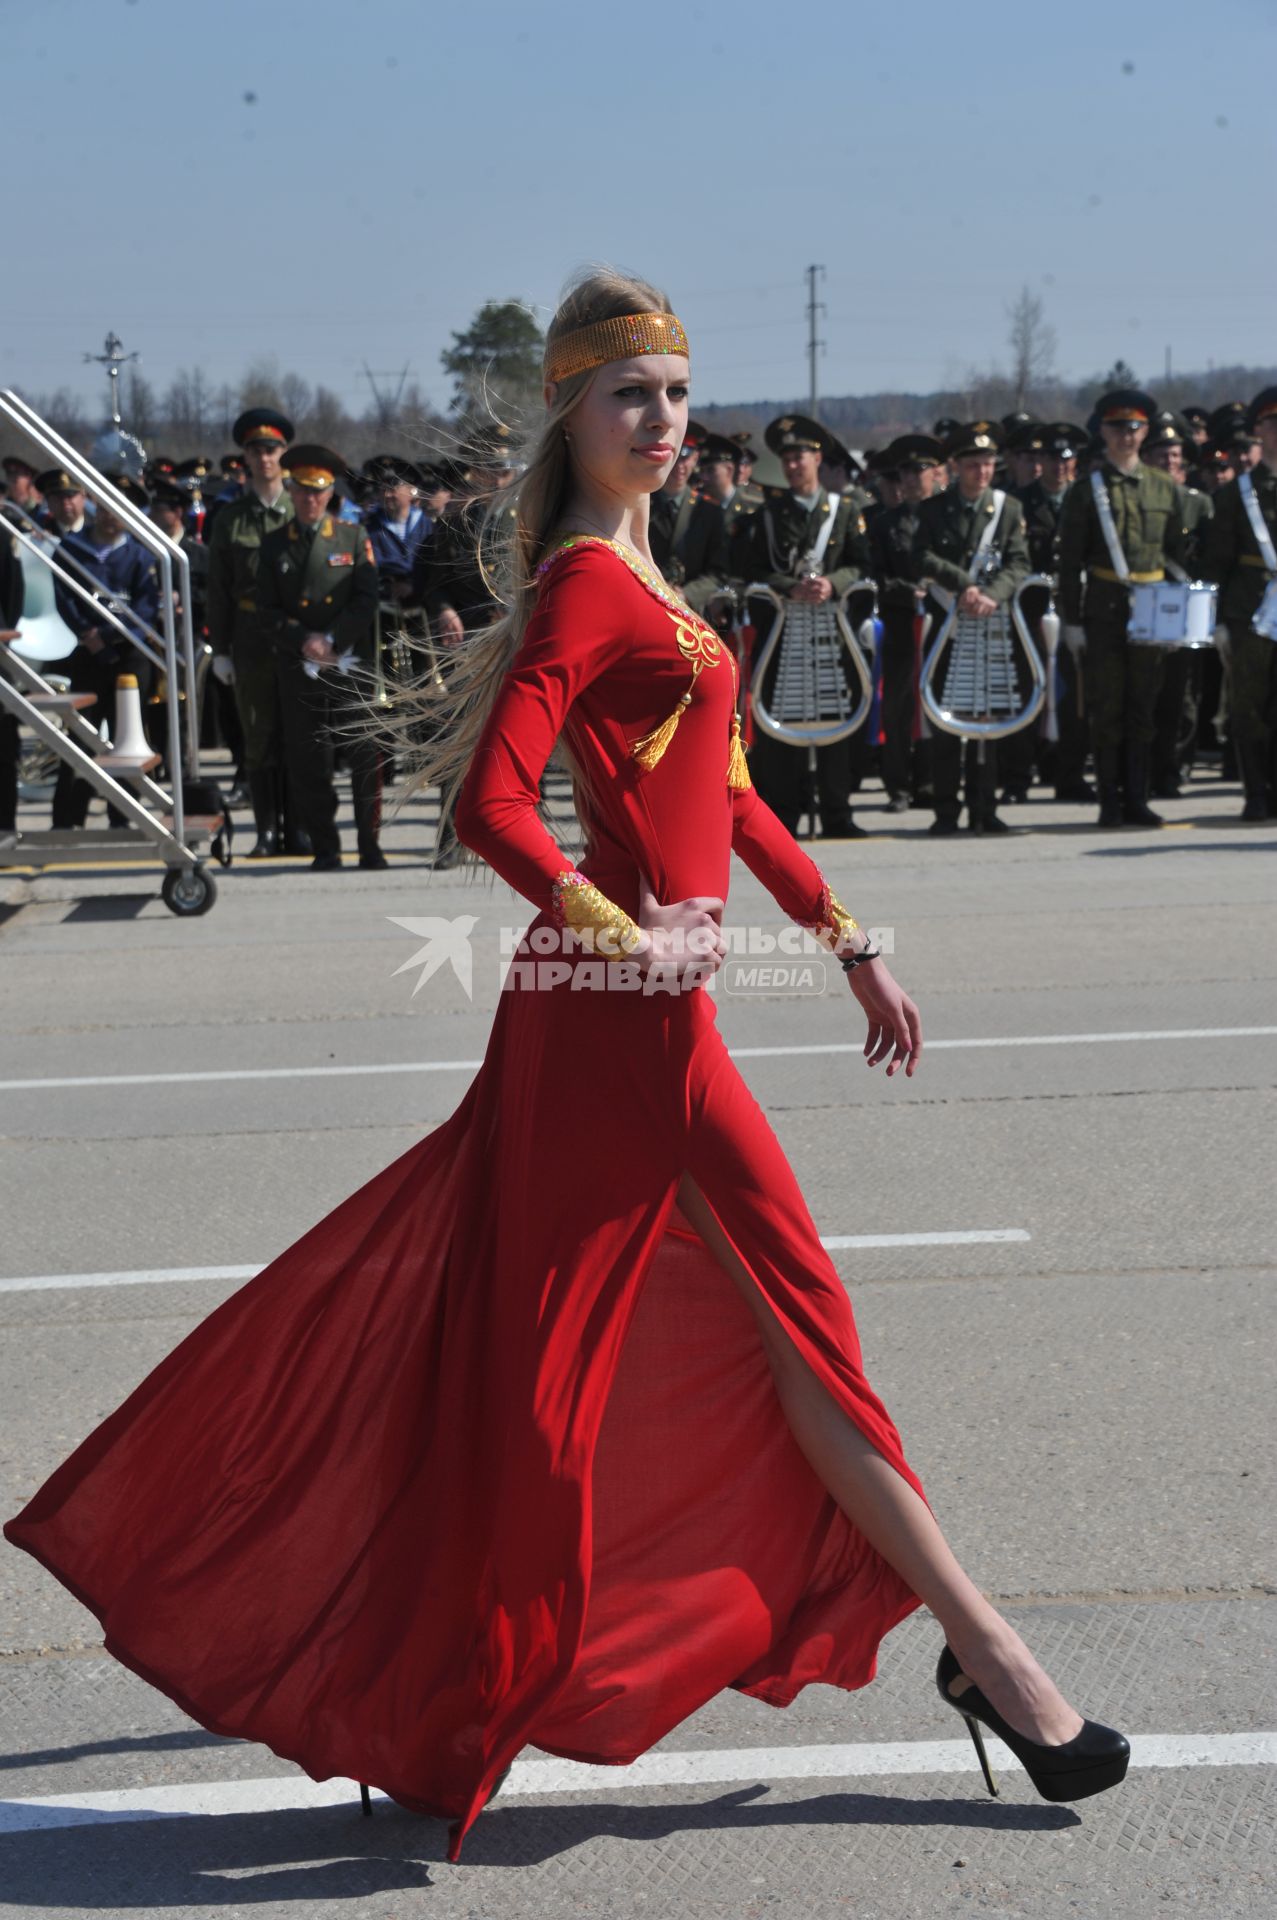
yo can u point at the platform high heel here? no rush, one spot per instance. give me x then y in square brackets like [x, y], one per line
[1095, 1759]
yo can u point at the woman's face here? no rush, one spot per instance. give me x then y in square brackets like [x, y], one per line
[627, 430]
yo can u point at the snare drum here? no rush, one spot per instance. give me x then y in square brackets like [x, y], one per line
[1172, 613]
[1265, 619]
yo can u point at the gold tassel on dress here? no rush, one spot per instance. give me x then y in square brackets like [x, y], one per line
[651, 747]
[737, 765]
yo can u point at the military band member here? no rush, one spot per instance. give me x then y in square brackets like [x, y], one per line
[783, 537]
[12, 594]
[317, 611]
[397, 525]
[1064, 763]
[1122, 678]
[118, 570]
[1175, 714]
[1023, 448]
[716, 475]
[241, 658]
[915, 459]
[952, 526]
[686, 532]
[1234, 556]
[23, 496]
[745, 459]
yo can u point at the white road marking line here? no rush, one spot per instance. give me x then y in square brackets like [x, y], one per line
[373, 1068]
[158, 1276]
[532, 1778]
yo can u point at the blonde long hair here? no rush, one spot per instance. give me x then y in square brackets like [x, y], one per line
[435, 722]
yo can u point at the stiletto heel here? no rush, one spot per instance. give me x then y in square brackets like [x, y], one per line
[977, 1741]
[366, 1798]
[1095, 1759]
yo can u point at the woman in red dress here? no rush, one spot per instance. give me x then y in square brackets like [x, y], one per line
[557, 1426]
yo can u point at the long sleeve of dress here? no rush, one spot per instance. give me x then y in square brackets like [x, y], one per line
[573, 636]
[791, 876]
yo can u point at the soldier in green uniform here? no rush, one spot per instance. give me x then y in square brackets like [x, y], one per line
[716, 473]
[1063, 763]
[1175, 715]
[240, 657]
[687, 533]
[807, 546]
[949, 551]
[915, 459]
[317, 597]
[1239, 553]
[1147, 514]
[745, 457]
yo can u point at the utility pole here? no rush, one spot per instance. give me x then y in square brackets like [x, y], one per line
[387, 407]
[1168, 366]
[814, 307]
[113, 359]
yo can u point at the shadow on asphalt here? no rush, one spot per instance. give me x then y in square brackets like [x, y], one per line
[180, 1738]
[332, 1854]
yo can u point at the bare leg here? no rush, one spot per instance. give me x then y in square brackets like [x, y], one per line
[893, 1519]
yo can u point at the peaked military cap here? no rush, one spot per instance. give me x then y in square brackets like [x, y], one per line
[1170, 429]
[945, 427]
[742, 437]
[717, 446]
[13, 464]
[313, 467]
[975, 436]
[491, 446]
[167, 493]
[262, 423]
[1013, 422]
[792, 431]
[1064, 441]
[196, 468]
[232, 463]
[58, 480]
[1125, 403]
[1197, 415]
[839, 455]
[911, 450]
[133, 490]
[158, 468]
[1028, 436]
[1231, 422]
[391, 469]
[1216, 455]
[1262, 407]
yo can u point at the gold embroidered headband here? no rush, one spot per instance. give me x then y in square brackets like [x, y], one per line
[619, 339]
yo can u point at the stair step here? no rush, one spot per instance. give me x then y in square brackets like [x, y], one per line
[49, 702]
[128, 762]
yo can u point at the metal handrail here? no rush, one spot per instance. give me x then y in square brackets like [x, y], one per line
[166, 551]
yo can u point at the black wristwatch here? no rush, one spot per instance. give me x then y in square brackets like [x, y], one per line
[849, 962]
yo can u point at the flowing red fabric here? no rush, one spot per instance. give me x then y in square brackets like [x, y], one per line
[491, 1457]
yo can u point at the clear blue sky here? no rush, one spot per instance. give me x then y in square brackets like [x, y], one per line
[402, 161]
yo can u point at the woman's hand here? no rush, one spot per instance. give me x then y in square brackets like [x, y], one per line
[685, 941]
[895, 1026]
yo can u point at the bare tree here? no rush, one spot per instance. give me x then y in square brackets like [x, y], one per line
[1032, 343]
[142, 413]
[295, 396]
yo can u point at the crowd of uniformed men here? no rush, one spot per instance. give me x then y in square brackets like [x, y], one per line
[304, 572]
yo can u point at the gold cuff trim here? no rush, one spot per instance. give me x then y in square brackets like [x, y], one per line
[577, 903]
[833, 922]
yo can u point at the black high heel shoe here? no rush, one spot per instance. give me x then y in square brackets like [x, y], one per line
[365, 1798]
[1090, 1762]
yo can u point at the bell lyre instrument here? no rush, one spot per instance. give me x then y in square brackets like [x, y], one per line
[981, 697]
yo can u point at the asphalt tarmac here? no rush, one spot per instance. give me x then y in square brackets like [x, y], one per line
[1059, 1241]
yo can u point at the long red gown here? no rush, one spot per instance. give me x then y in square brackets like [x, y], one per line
[491, 1456]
